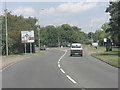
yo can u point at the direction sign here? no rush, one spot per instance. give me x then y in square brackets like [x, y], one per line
[105, 39]
[27, 36]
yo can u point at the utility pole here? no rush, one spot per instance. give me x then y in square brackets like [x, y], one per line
[6, 30]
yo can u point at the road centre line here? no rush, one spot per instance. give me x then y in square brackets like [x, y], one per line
[62, 70]
[59, 65]
[71, 79]
[62, 56]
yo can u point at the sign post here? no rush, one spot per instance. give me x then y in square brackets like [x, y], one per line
[30, 47]
[25, 47]
[27, 37]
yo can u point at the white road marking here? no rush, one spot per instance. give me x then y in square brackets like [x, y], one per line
[62, 70]
[8, 66]
[58, 62]
[59, 65]
[11, 64]
[71, 79]
[0, 70]
[62, 56]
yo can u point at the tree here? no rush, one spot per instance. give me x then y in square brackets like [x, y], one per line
[16, 24]
[114, 30]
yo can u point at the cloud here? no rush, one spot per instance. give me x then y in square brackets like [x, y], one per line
[97, 22]
[76, 7]
[72, 7]
[101, 19]
[25, 11]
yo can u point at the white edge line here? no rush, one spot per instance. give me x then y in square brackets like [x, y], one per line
[62, 70]
[71, 79]
[8, 66]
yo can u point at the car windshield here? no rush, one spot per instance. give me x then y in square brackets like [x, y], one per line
[76, 46]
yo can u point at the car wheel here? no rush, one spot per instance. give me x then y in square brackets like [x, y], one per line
[81, 55]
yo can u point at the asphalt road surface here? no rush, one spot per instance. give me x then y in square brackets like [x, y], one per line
[56, 69]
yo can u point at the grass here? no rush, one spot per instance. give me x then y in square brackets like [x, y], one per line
[110, 57]
[25, 55]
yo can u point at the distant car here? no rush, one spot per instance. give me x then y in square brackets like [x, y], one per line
[76, 49]
[42, 48]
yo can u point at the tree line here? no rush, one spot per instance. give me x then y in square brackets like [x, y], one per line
[50, 36]
[53, 36]
[111, 29]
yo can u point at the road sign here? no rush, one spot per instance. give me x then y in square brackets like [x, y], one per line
[27, 36]
[105, 39]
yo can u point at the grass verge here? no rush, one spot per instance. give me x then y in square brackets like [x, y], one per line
[24, 55]
[110, 57]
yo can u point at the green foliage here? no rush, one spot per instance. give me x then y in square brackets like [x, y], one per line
[99, 35]
[49, 35]
[64, 34]
[114, 30]
[15, 25]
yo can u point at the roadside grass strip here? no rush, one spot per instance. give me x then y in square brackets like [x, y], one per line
[108, 57]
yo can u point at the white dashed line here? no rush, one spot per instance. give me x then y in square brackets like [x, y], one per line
[71, 79]
[58, 62]
[62, 56]
[62, 70]
[0, 70]
[59, 65]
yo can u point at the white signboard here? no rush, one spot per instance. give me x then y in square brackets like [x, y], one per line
[27, 36]
[95, 44]
[105, 39]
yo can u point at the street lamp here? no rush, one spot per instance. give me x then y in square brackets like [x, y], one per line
[6, 30]
[39, 30]
[58, 39]
[91, 31]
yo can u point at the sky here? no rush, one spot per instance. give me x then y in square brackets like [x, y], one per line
[89, 16]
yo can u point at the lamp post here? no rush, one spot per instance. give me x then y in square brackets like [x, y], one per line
[91, 32]
[6, 30]
[38, 37]
[39, 30]
[58, 40]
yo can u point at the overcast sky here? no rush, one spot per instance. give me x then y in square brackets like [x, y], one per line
[87, 15]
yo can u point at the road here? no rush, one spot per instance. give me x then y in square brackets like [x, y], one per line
[56, 69]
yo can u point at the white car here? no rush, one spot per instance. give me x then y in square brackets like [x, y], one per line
[76, 49]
